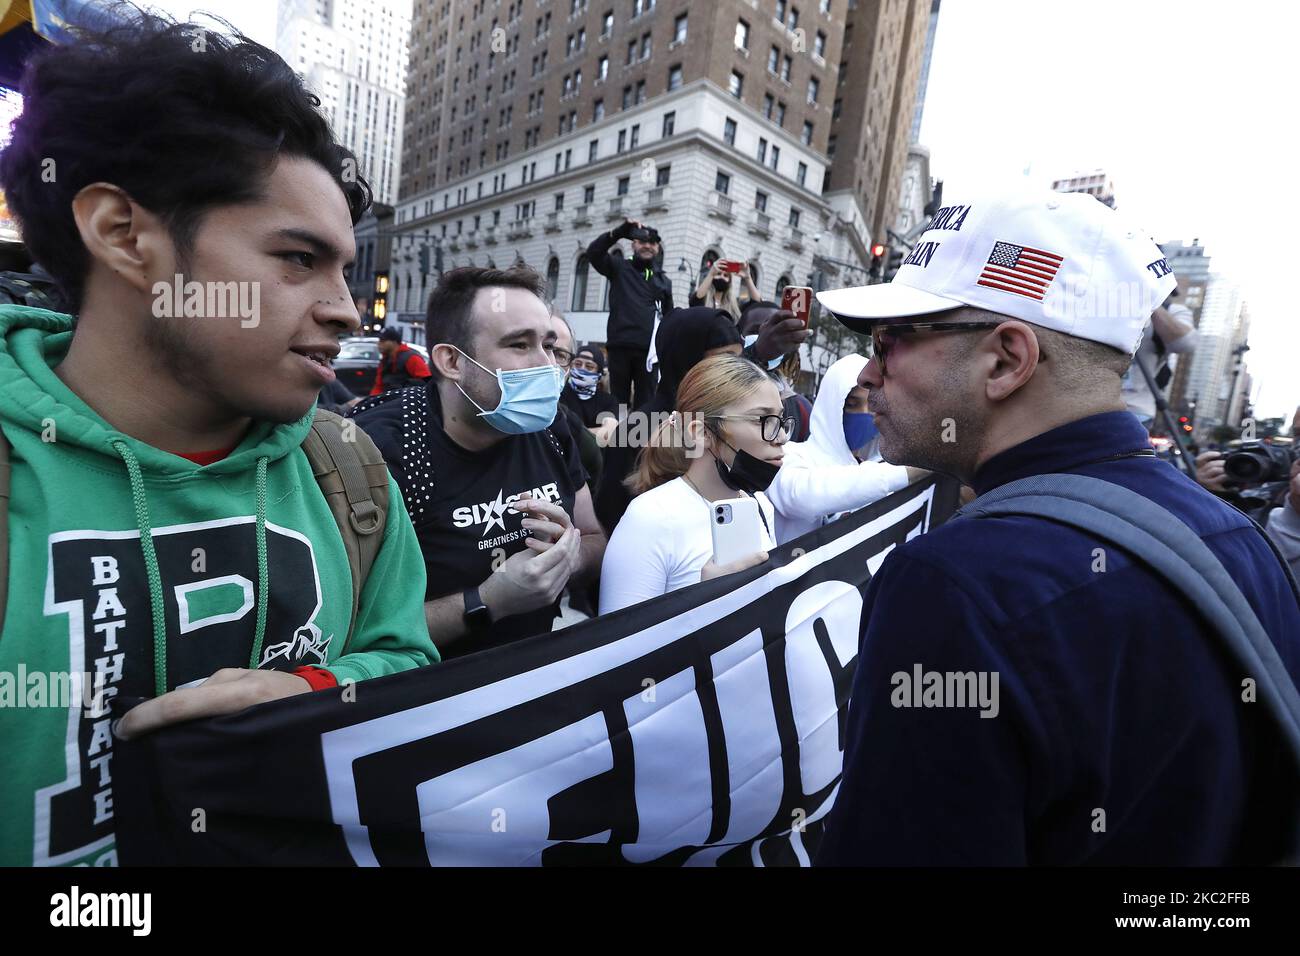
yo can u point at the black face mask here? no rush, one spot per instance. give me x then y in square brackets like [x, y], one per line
[722, 285]
[747, 473]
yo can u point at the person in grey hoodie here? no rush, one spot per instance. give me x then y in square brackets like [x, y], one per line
[832, 473]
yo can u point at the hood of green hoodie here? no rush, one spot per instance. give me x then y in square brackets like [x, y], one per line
[34, 341]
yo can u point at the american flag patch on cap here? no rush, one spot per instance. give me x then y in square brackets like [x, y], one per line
[1020, 269]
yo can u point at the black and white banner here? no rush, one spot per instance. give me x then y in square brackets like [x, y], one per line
[704, 727]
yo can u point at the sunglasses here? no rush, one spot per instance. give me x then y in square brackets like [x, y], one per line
[883, 337]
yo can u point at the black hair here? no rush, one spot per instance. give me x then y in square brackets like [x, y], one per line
[181, 117]
[451, 304]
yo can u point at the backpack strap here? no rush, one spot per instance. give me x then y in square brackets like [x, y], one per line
[4, 527]
[354, 480]
[1174, 551]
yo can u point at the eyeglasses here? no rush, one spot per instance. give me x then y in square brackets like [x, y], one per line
[883, 337]
[562, 358]
[770, 426]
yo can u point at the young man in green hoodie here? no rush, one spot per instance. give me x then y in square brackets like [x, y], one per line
[167, 538]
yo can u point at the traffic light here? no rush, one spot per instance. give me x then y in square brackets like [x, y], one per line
[877, 260]
[895, 262]
[424, 260]
[437, 260]
[380, 308]
[1185, 423]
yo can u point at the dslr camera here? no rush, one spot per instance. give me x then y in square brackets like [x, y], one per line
[1256, 462]
[643, 234]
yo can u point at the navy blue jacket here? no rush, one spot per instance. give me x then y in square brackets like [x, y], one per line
[1117, 707]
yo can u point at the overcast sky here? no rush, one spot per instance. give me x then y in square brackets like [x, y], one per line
[1188, 105]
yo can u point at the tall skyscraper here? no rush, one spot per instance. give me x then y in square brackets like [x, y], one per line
[925, 71]
[1225, 324]
[531, 127]
[1192, 270]
[352, 54]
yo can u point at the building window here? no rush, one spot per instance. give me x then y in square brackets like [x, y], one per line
[674, 77]
[742, 35]
[762, 150]
[645, 47]
[729, 132]
[598, 111]
[593, 148]
[769, 104]
[794, 218]
[559, 203]
[722, 183]
[623, 183]
[737, 84]
[819, 45]
[807, 136]
[602, 68]
[662, 174]
[631, 52]
[780, 114]
[773, 60]
[552, 278]
[607, 24]
[786, 63]
[636, 136]
[760, 201]
[670, 121]
[802, 175]
[830, 146]
[780, 11]
[640, 92]
[814, 87]
[627, 97]
[679, 29]
[836, 107]
[579, 302]
[792, 21]
[589, 194]
[622, 140]
[776, 156]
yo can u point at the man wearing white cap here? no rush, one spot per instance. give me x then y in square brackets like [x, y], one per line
[1026, 691]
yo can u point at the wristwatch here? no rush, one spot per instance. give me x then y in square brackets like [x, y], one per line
[477, 616]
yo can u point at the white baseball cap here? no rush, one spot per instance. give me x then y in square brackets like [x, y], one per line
[1065, 261]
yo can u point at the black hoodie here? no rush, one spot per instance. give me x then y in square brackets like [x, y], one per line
[634, 293]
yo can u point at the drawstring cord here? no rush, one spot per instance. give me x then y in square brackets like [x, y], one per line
[154, 576]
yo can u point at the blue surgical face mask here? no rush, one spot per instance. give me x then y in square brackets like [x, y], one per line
[529, 398]
[859, 429]
[773, 365]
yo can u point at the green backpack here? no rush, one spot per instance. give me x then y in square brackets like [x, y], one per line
[351, 474]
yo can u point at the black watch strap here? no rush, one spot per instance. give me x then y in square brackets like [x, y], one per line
[477, 615]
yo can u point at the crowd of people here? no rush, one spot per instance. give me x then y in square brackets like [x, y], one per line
[505, 472]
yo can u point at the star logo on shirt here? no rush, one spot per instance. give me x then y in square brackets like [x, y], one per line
[497, 514]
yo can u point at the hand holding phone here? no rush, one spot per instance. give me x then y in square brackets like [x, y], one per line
[737, 529]
[798, 300]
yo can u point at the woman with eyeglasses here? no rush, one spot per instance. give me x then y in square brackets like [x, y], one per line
[724, 439]
[838, 469]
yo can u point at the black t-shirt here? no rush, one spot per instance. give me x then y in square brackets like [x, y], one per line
[588, 409]
[457, 498]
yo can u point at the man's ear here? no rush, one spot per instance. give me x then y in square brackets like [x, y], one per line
[446, 360]
[123, 236]
[1014, 348]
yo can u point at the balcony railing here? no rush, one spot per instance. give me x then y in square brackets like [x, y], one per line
[761, 224]
[794, 238]
[721, 206]
[656, 199]
[616, 210]
[553, 221]
[490, 235]
[582, 215]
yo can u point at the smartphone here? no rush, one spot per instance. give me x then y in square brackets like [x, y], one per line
[737, 529]
[732, 266]
[798, 299]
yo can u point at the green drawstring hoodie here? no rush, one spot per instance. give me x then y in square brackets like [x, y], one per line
[133, 571]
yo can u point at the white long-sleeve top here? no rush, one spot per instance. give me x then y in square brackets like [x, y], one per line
[661, 544]
[820, 478]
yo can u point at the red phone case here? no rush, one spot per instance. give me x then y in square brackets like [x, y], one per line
[797, 299]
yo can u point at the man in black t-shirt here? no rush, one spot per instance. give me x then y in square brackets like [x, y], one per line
[491, 477]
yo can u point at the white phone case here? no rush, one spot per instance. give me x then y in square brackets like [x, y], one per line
[737, 529]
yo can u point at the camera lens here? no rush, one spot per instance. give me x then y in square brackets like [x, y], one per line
[720, 521]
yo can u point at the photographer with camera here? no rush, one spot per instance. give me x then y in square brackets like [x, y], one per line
[1284, 522]
[639, 296]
